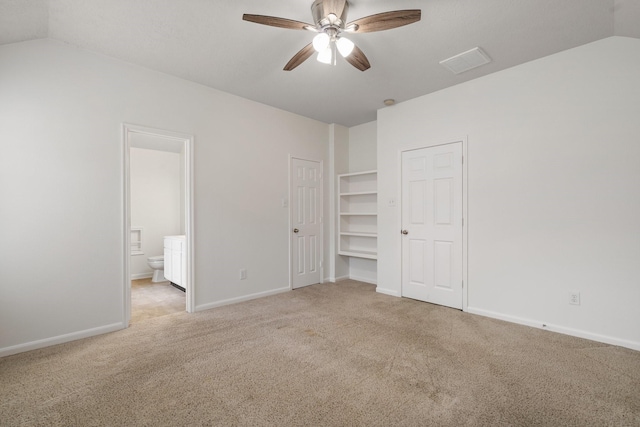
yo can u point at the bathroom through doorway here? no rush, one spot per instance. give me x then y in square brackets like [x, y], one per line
[158, 188]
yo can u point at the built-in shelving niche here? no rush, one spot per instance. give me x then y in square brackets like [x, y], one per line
[358, 207]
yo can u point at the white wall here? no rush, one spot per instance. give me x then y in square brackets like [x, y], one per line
[339, 155]
[363, 157]
[61, 112]
[155, 202]
[363, 147]
[553, 188]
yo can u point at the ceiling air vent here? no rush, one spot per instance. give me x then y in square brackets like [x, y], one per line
[466, 61]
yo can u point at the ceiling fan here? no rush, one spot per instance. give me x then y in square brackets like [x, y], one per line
[330, 22]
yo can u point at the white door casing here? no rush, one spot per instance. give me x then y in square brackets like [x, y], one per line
[186, 142]
[432, 225]
[306, 222]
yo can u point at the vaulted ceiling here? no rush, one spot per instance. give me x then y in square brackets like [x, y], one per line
[206, 41]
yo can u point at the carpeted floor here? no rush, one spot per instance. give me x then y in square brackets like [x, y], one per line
[149, 300]
[325, 355]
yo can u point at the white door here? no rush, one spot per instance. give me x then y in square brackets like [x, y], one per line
[306, 222]
[432, 224]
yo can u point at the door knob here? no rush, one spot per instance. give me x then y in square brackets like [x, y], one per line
[295, 230]
[404, 232]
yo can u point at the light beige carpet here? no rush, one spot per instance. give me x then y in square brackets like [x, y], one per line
[149, 299]
[332, 355]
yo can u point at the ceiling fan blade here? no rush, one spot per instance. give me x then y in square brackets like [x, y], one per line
[358, 59]
[300, 57]
[384, 21]
[334, 6]
[278, 22]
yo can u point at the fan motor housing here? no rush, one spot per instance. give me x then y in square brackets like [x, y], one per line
[320, 11]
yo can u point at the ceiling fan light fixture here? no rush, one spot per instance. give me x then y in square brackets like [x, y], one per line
[328, 56]
[345, 46]
[325, 56]
[330, 21]
[321, 42]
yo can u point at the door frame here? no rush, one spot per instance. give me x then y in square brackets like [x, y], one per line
[290, 221]
[465, 209]
[187, 145]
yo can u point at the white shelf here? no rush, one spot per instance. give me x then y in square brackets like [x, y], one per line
[358, 234]
[371, 172]
[359, 193]
[360, 254]
[358, 214]
[360, 182]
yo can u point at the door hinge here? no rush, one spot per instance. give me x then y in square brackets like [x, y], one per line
[463, 160]
[463, 284]
[463, 222]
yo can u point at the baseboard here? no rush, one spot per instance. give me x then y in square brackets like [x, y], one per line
[391, 292]
[60, 339]
[364, 279]
[137, 276]
[229, 301]
[556, 328]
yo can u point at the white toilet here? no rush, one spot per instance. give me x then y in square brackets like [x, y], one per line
[157, 264]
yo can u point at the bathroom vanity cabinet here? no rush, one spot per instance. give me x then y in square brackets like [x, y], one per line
[175, 260]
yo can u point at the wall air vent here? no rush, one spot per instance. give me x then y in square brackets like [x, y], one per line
[466, 61]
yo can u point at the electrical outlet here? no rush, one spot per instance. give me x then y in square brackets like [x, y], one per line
[243, 273]
[392, 202]
[574, 298]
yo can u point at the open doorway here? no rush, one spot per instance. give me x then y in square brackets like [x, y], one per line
[157, 177]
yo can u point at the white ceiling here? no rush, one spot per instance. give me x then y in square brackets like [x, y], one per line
[206, 41]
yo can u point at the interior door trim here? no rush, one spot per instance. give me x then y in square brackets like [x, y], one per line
[187, 142]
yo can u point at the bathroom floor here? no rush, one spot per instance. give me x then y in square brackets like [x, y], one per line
[149, 300]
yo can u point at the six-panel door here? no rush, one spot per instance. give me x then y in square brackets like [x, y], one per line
[306, 222]
[432, 224]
